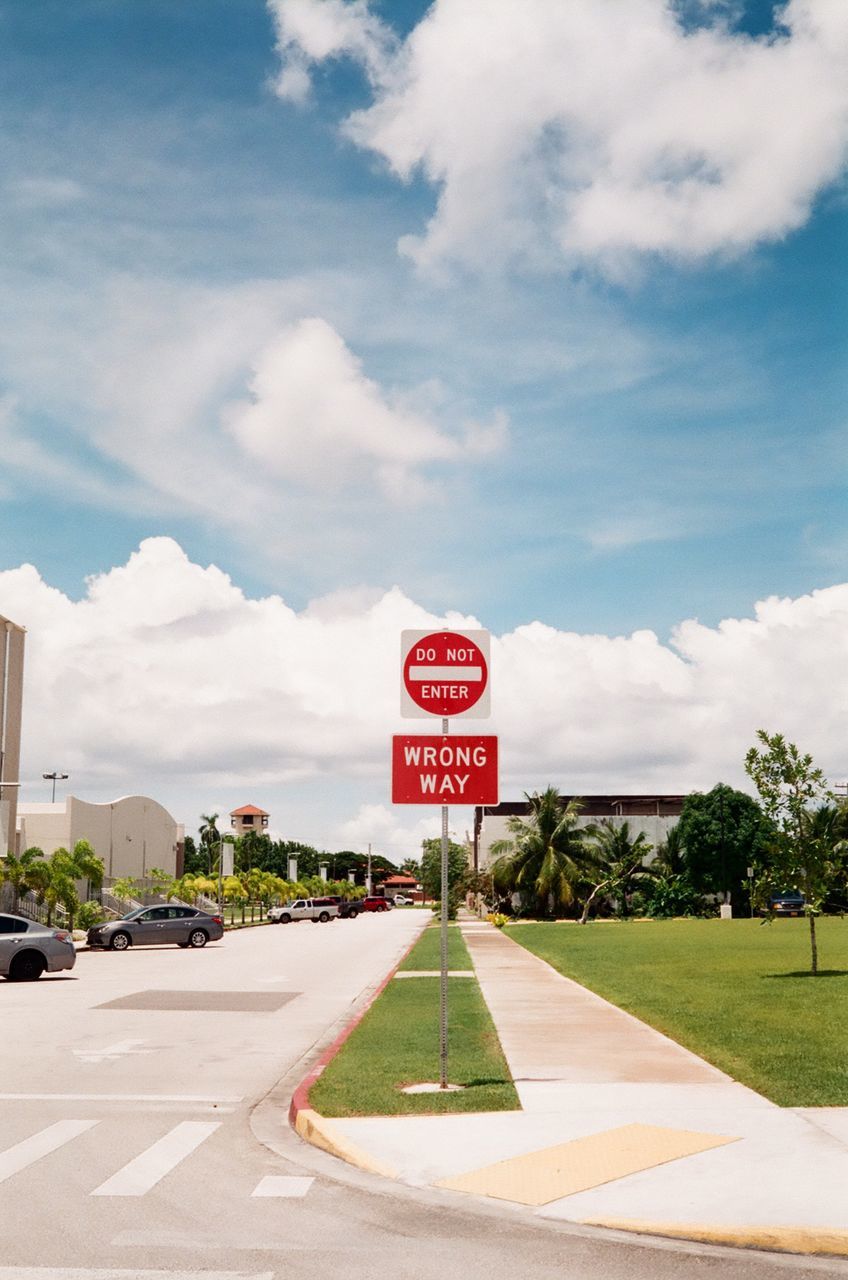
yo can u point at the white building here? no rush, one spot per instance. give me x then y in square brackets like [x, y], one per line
[132, 835]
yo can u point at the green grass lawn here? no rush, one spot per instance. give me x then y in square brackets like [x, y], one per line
[397, 1043]
[734, 991]
[426, 954]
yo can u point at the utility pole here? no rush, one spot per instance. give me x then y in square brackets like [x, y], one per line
[368, 873]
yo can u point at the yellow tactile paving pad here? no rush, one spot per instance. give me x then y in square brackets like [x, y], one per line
[542, 1176]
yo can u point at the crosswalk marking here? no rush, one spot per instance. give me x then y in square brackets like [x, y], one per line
[152, 1165]
[278, 1184]
[40, 1144]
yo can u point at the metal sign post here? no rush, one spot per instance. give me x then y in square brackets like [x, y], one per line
[444, 673]
[443, 976]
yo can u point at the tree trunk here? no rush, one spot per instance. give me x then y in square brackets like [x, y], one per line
[588, 903]
[814, 951]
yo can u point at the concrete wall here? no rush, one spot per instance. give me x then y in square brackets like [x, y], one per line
[131, 835]
[495, 827]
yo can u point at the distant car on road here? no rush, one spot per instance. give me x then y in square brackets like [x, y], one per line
[376, 903]
[790, 903]
[318, 910]
[155, 926]
[28, 949]
[402, 901]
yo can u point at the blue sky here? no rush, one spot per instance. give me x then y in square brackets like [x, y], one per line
[573, 427]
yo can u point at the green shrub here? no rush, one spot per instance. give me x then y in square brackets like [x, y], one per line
[88, 914]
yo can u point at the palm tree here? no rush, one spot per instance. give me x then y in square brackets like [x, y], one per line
[17, 870]
[546, 856]
[209, 835]
[670, 853]
[620, 859]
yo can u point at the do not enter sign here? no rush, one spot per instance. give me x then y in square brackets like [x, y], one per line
[445, 673]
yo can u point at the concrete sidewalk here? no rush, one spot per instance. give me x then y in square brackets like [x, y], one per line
[620, 1127]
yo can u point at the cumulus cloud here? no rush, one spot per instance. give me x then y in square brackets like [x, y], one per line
[595, 130]
[165, 674]
[317, 419]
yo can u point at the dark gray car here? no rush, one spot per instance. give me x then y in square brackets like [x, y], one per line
[28, 949]
[155, 926]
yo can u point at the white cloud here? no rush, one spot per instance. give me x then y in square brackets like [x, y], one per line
[308, 32]
[316, 419]
[166, 676]
[594, 129]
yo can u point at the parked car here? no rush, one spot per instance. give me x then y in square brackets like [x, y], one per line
[376, 903]
[318, 910]
[790, 903]
[155, 926]
[28, 949]
[349, 908]
[402, 901]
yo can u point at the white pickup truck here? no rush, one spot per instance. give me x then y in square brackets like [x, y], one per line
[318, 910]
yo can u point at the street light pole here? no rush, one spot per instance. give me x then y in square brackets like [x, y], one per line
[54, 777]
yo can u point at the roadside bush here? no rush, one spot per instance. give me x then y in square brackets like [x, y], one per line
[670, 895]
[88, 914]
[497, 919]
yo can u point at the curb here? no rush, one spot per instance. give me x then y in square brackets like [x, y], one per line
[316, 1129]
[809, 1241]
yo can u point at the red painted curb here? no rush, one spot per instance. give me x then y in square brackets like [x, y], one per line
[300, 1097]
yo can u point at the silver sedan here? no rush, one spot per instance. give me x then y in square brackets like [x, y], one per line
[28, 949]
[155, 926]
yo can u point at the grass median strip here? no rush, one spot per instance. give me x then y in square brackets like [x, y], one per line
[397, 1043]
[737, 993]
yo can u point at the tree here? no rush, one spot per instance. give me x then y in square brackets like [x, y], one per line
[619, 861]
[547, 854]
[805, 852]
[16, 871]
[194, 859]
[671, 853]
[209, 837]
[723, 833]
[411, 867]
[430, 870]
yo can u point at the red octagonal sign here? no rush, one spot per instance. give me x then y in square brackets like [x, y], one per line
[445, 673]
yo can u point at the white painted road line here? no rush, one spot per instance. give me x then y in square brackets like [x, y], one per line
[40, 1144]
[137, 1177]
[118, 1097]
[112, 1053]
[288, 1186]
[123, 1273]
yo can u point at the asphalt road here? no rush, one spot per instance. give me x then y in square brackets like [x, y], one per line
[143, 1133]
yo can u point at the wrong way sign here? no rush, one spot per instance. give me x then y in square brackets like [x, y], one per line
[445, 673]
[444, 769]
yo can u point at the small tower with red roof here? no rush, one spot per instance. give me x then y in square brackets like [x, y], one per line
[248, 818]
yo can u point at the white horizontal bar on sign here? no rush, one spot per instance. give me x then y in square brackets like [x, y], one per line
[446, 673]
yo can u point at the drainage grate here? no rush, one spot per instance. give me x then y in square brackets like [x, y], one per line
[204, 1001]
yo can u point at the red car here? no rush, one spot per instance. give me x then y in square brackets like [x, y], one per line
[376, 904]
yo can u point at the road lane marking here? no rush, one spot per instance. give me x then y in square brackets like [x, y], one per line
[112, 1053]
[25, 1153]
[119, 1097]
[123, 1273]
[142, 1173]
[287, 1186]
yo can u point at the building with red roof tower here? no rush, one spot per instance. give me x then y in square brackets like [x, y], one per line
[248, 818]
